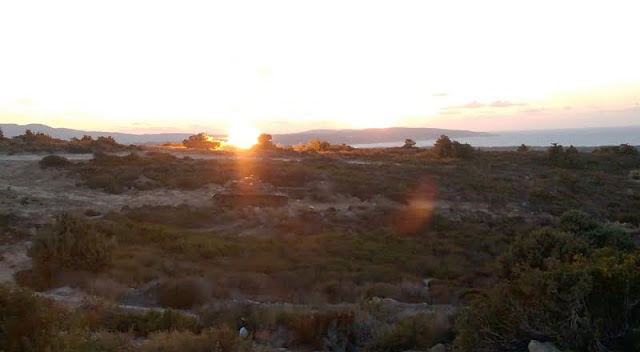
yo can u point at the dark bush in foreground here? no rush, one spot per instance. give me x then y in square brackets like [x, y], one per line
[579, 289]
[26, 322]
[585, 305]
[184, 293]
[54, 161]
[71, 243]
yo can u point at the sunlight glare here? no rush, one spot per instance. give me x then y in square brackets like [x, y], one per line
[242, 135]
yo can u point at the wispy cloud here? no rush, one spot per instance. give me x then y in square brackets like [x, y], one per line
[473, 105]
[504, 104]
[440, 94]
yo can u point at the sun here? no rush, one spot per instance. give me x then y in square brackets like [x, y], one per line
[242, 135]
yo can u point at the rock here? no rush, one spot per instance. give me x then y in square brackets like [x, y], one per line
[243, 332]
[438, 348]
[537, 346]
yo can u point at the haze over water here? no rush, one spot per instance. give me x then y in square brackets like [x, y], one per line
[580, 137]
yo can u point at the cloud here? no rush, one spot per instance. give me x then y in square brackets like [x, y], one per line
[440, 94]
[504, 104]
[473, 105]
[534, 111]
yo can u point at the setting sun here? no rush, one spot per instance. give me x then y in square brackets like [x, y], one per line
[242, 135]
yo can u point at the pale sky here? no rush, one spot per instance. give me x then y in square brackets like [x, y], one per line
[143, 66]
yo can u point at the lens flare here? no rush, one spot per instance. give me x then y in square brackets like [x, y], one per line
[421, 204]
[242, 135]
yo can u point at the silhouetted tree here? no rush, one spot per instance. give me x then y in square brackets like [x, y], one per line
[446, 148]
[265, 140]
[1, 134]
[461, 150]
[555, 154]
[443, 147]
[523, 148]
[409, 143]
[201, 141]
[571, 157]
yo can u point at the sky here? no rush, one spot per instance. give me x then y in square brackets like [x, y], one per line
[285, 66]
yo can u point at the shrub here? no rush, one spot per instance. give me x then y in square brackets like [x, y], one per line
[597, 235]
[445, 148]
[221, 339]
[54, 161]
[561, 157]
[622, 149]
[27, 323]
[265, 141]
[409, 143]
[318, 145]
[555, 154]
[104, 341]
[143, 324]
[459, 150]
[201, 141]
[585, 305]
[184, 293]
[541, 249]
[71, 243]
[575, 221]
[415, 332]
[442, 147]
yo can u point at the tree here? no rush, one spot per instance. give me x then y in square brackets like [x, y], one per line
[409, 143]
[201, 141]
[1, 134]
[265, 141]
[523, 148]
[446, 148]
[556, 154]
[443, 146]
[318, 145]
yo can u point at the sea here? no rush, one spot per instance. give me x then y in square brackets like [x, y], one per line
[579, 137]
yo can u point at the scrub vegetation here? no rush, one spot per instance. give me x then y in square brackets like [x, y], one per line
[378, 250]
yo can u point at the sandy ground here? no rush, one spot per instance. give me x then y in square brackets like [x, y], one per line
[37, 195]
[29, 191]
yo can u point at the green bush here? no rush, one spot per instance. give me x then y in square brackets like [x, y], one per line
[584, 226]
[71, 243]
[575, 221]
[542, 249]
[585, 305]
[577, 288]
[27, 323]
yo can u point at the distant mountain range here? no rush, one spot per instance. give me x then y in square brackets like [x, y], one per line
[347, 136]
